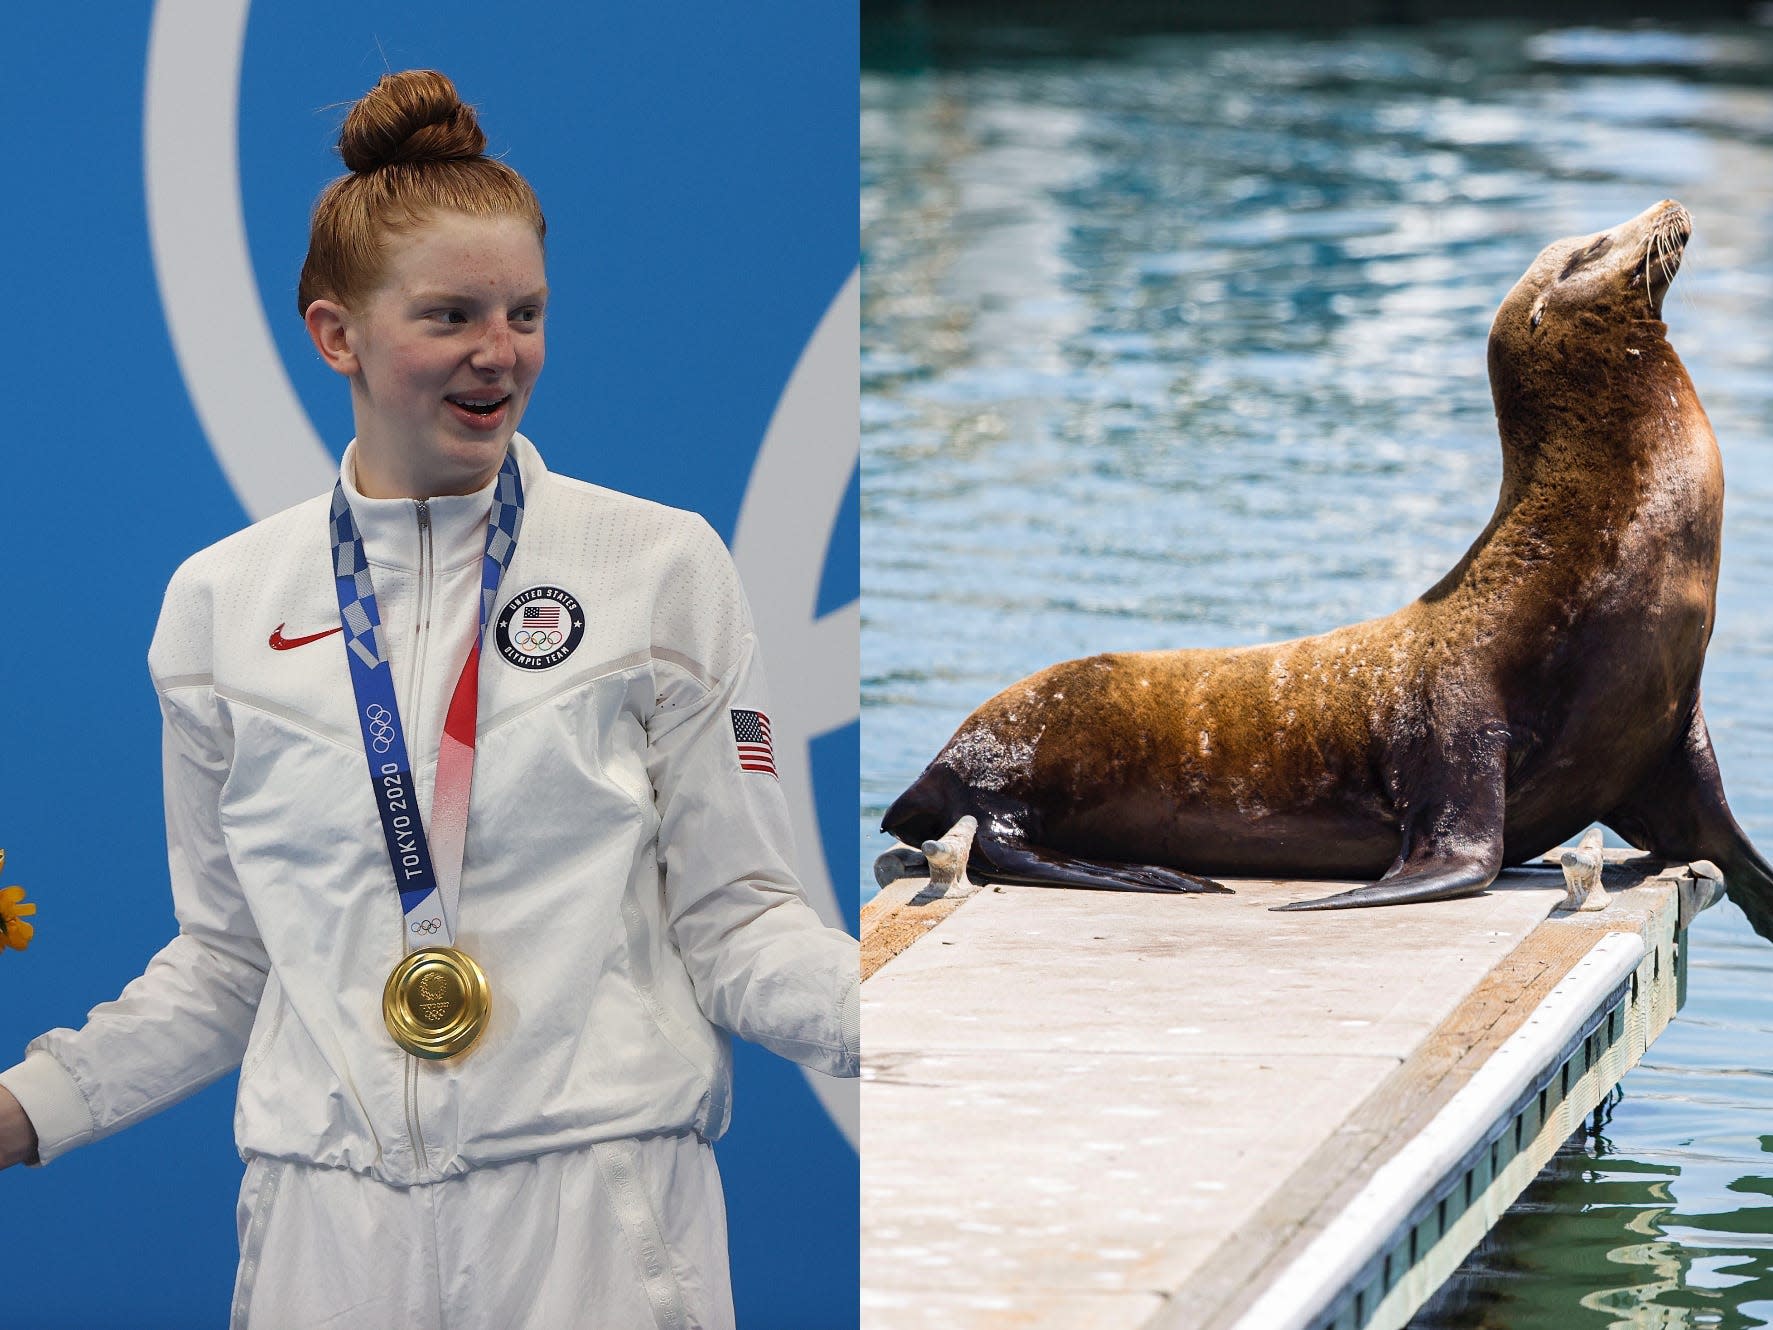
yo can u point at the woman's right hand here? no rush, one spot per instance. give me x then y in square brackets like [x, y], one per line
[18, 1138]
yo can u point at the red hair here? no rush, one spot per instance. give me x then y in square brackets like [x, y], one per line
[414, 148]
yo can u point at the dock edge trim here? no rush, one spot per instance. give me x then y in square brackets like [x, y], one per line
[1336, 1258]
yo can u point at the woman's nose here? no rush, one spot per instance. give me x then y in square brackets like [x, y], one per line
[495, 351]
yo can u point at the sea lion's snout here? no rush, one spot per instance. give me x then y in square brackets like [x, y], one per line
[1670, 226]
[1673, 215]
[1655, 240]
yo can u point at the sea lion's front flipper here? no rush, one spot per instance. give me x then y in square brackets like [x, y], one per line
[1461, 874]
[996, 859]
[1452, 843]
[1679, 813]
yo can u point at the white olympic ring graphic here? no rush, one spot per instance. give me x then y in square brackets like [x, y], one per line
[381, 726]
[426, 926]
[542, 637]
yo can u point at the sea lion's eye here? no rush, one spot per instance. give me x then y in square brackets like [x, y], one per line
[1582, 256]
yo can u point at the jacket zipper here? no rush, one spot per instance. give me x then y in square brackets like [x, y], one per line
[415, 678]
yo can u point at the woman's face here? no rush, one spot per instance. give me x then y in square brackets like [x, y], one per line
[442, 355]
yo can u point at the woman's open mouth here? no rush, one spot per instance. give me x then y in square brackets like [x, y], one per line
[479, 412]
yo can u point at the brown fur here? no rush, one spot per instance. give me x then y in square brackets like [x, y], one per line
[1547, 681]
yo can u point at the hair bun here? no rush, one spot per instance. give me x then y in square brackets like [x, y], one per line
[411, 116]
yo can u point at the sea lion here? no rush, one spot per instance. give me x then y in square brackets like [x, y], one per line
[1550, 680]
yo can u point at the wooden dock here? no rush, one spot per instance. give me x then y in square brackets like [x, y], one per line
[1090, 1110]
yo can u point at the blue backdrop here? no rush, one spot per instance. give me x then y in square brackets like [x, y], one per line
[697, 163]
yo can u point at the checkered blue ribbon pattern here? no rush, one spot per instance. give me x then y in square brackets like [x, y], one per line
[372, 681]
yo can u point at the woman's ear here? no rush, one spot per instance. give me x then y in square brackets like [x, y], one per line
[327, 327]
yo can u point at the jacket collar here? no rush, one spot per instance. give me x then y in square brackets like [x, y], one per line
[390, 527]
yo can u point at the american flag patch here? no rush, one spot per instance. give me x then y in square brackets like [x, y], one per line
[751, 732]
[541, 616]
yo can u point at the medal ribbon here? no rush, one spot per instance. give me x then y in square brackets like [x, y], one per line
[428, 887]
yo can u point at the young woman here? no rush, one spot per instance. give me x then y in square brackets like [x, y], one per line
[476, 843]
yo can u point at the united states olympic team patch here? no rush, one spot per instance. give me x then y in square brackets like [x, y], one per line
[539, 627]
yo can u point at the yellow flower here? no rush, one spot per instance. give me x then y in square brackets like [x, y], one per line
[14, 931]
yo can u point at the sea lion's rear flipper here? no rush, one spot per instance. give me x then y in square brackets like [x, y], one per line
[1452, 842]
[1680, 813]
[1000, 860]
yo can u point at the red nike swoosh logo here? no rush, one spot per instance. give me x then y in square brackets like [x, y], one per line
[281, 643]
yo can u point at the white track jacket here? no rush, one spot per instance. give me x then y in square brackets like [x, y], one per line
[627, 885]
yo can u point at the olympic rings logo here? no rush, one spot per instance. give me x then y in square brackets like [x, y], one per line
[539, 637]
[426, 926]
[381, 727]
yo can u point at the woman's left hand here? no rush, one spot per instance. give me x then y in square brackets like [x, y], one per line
[18, 1138]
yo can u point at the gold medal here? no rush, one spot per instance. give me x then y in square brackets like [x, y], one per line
[436, 1002]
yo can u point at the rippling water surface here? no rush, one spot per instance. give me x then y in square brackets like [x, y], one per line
[1180, 342]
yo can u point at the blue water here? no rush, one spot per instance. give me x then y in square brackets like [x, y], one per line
[1180, 341]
